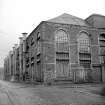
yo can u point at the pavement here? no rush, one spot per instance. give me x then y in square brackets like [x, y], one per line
[31, 94]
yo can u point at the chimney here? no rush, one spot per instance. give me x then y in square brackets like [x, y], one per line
[21, 40]
[13, 48]
[24, 35]
[16, 45]
[10, 52]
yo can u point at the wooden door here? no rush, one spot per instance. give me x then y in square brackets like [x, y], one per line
[66, 68]
[97, 73]
[62, 68]
[38, 72]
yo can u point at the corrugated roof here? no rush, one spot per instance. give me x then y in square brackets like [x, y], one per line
[69, 19]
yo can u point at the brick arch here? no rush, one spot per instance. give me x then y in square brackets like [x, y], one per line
[83, 40]
[83, 31]
[61, 36]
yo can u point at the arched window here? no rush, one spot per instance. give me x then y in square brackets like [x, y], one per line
[61, 36]
[62, 53]
[32, 41]
[84, 49]
[102, 47]
[83, 42]
[102, 35]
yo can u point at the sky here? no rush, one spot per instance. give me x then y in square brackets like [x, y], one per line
[18, 16]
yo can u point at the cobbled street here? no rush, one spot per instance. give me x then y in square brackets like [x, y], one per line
[29, 94]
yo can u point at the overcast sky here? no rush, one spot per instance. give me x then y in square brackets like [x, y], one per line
[17, 16]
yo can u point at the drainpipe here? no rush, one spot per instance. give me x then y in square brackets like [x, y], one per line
[21, 58]
[24, 53]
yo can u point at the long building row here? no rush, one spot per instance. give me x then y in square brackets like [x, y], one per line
[65, 48]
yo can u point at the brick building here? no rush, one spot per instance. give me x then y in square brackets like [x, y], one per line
[65, 48]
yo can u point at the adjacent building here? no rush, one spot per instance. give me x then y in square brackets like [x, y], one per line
[66, 48]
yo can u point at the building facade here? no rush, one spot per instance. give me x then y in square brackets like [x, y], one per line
[64, 48]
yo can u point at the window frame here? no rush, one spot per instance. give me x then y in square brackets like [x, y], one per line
[84, 44]
[84, 54]
[62, 38]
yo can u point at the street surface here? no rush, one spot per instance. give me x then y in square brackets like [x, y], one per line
[72, 94]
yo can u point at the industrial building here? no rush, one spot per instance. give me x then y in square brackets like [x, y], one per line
[65, 48]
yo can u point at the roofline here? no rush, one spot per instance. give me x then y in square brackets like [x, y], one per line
[56, 23]
[98, 15]
[70, 24]
[66, 14]
[94, 14]
[35, 29]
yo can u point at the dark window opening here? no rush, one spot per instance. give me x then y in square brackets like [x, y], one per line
[27, 62]
[102, 35]
[38, 36]
[38, 61]
[27, 47]
[32, 60]
[32, 41]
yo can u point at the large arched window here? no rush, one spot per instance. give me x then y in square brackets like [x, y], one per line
[84, 55]
[83, 42]
[61, 40]
[61, 36]
[84, 49]
[102, 47]
[62, 53]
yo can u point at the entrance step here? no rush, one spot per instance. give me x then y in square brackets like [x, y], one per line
[62, 81]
